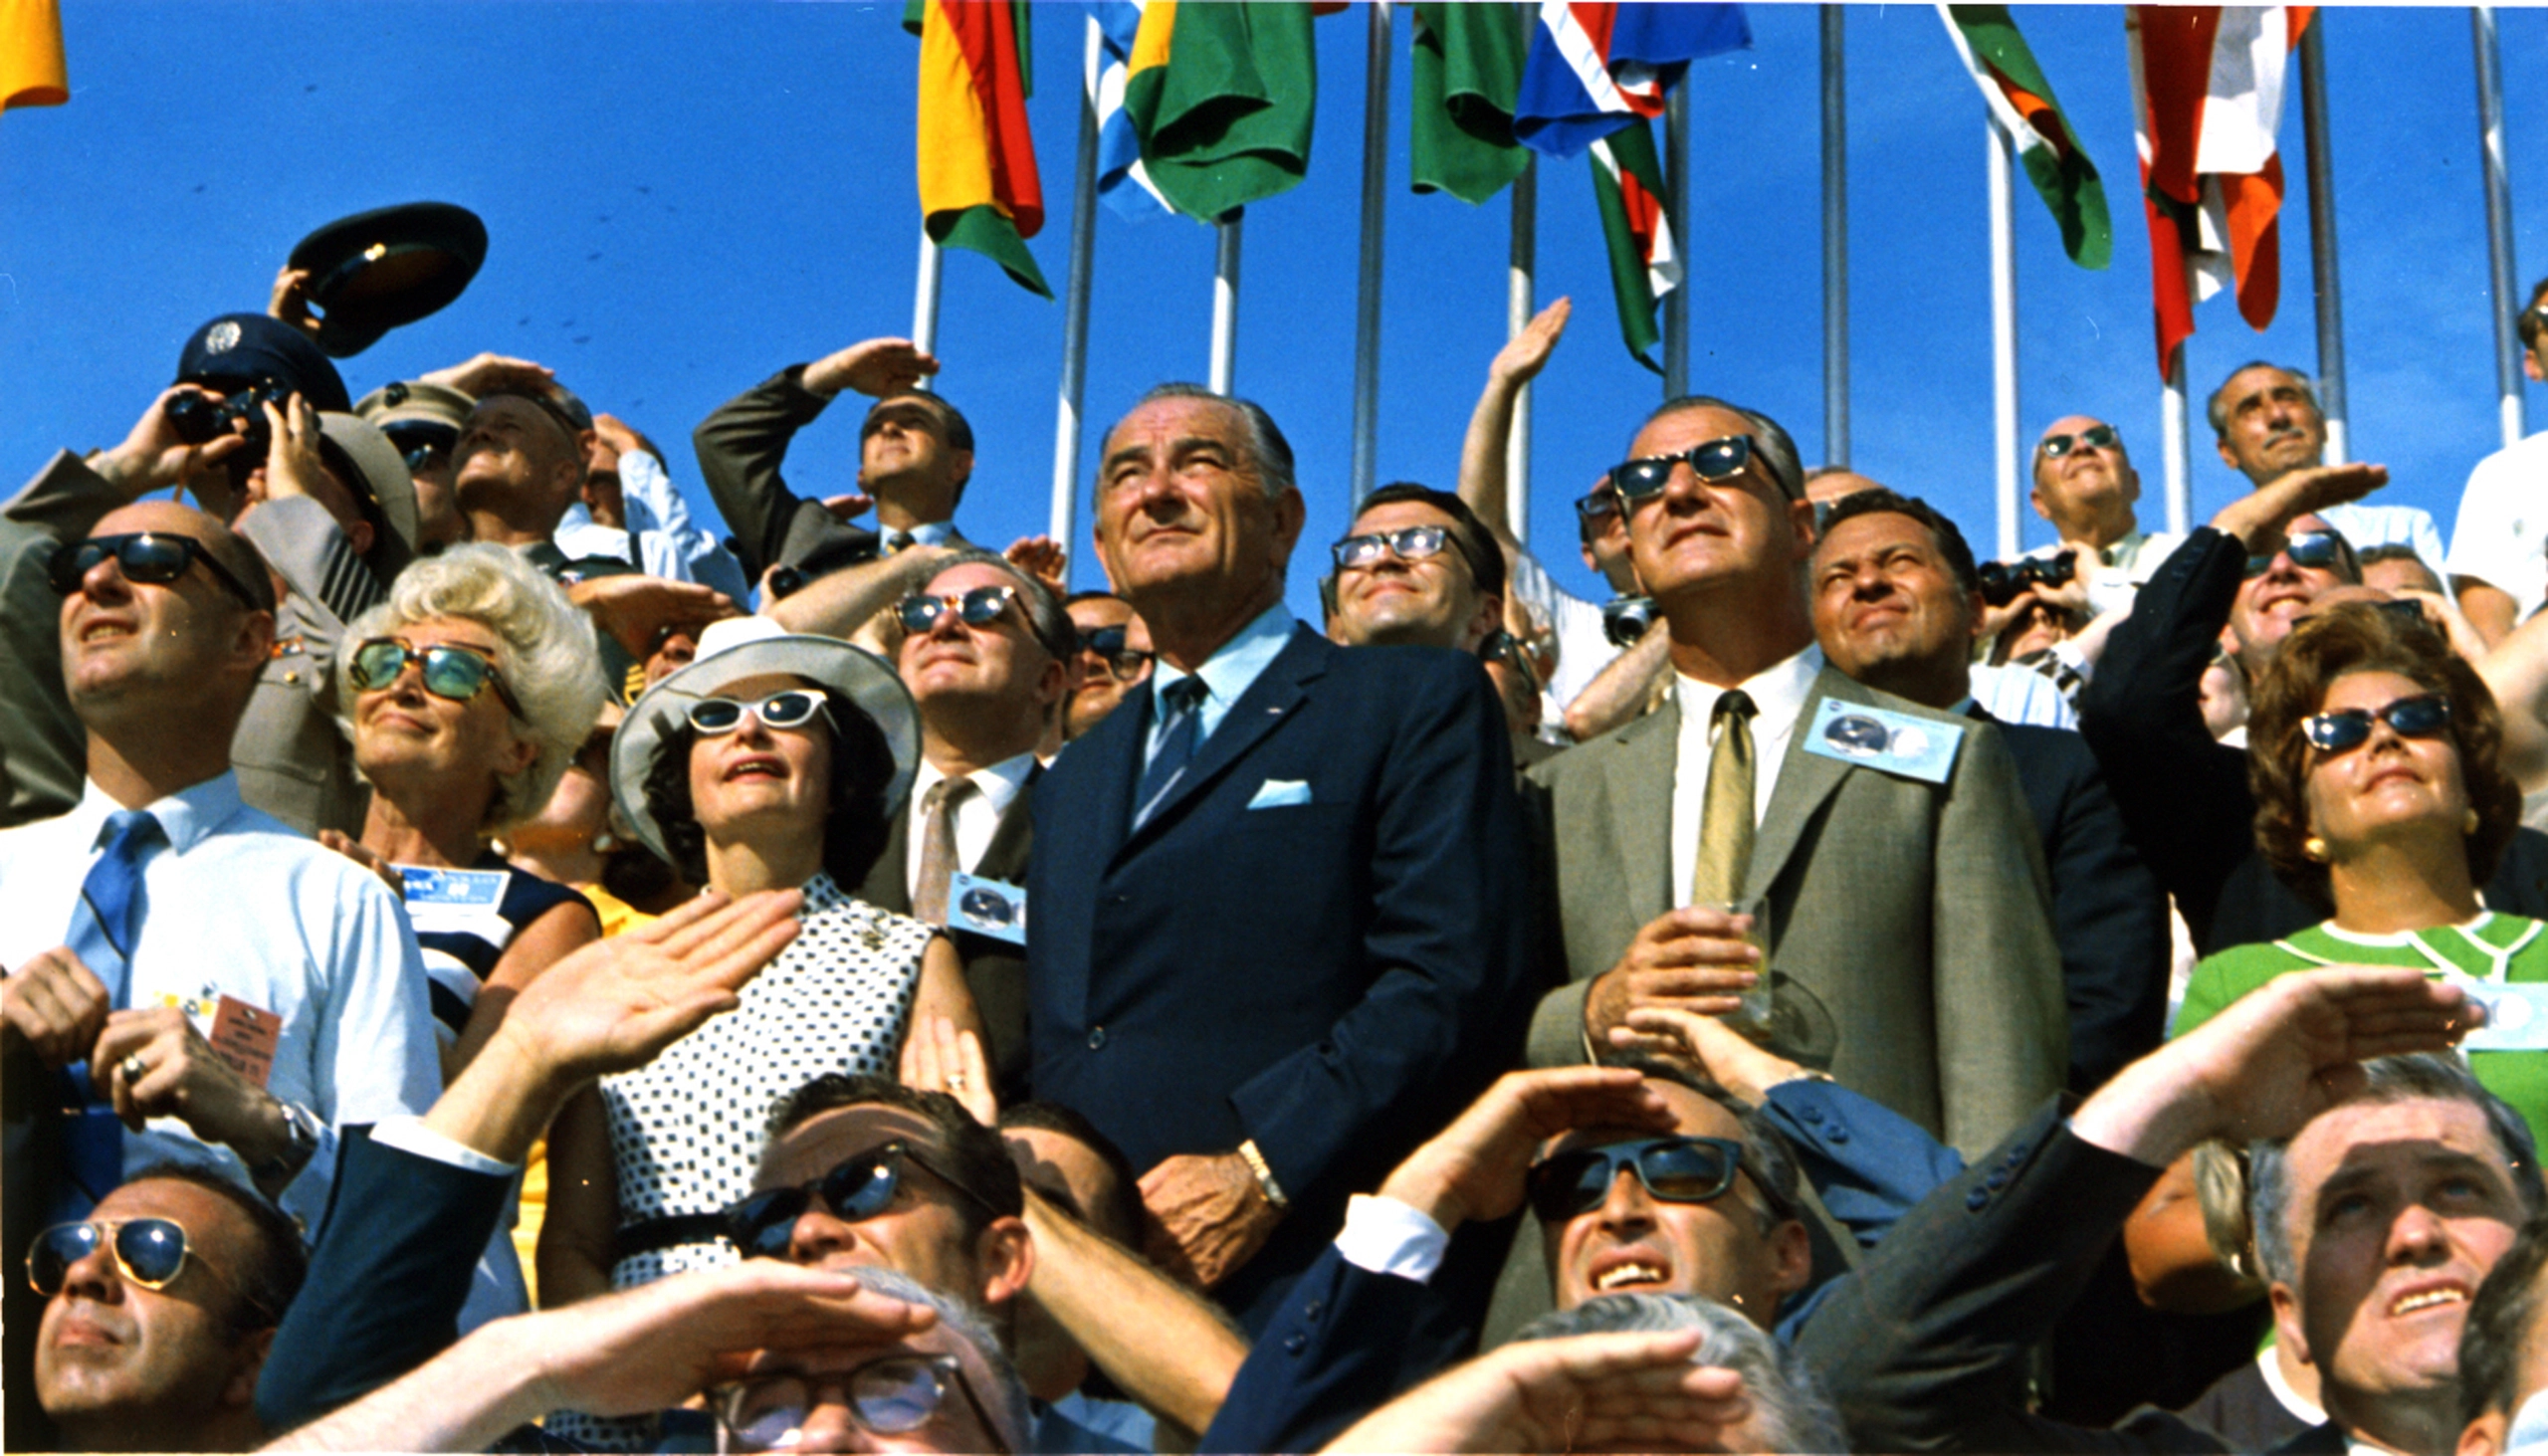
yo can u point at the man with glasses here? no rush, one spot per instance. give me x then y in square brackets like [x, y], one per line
[1417, 568]
[2268, 423]
[2499, 543]
[158, 1313]
[1114, 656]
[2085, 486]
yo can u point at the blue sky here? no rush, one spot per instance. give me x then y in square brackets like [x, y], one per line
[685, 198]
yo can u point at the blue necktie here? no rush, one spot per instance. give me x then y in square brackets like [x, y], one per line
[1181, 708]
[104, 926]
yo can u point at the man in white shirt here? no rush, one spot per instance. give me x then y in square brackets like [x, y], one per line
[2267, 422]
[2499, 543]
[630, 511]
[268, 990]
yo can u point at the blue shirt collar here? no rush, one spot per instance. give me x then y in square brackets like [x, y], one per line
[1234, 669]
[187, 816]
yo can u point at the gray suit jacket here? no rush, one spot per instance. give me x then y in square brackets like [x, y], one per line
[1911, 922]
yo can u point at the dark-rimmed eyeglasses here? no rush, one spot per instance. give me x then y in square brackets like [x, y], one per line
[890, 1396]
[1412, 544]
[1597, 507]
[1126, 663]
[779, 712]
[856, 1190]
[453, 673]
[1674, 1170]
[2095, 437]
[2344, 730]
[1641, 480]
[146, 558]
[979, 607]
[149, 1252]
[2317, 550]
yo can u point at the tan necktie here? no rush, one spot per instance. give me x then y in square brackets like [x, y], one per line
[938, 846]
[1724, 823]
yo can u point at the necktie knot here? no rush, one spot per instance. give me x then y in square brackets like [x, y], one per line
[944, 791]
[1182, 697]
[1735, 705]
[131, 833]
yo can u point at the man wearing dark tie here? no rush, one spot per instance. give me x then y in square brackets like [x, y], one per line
[1274, 903]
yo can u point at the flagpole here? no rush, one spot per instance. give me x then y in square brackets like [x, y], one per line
[2322, 237]
[1066, 425]
[2178, 448]
[2490, 129]
[1225, 303]
[1366, 293]
[1835, 241]
[1676, 206]
[1520, 303]
[924, 302]
[2003, 334]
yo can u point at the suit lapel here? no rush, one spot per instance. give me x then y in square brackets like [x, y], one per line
[1638, 783]
[1266, 704]
[1805, 781]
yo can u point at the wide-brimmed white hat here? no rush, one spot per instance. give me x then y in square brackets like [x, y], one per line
[752, 647]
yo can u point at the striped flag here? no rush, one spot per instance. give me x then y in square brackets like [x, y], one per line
[32, 73]
[1467, 66]
[978, 182]
[1593, 69]
[2021, 101]
[1121, 180]
[2207, 88]
[1223, 96]
[1646, 259]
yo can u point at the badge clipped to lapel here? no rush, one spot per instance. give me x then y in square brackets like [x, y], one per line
[1876, 738]
[987, 907]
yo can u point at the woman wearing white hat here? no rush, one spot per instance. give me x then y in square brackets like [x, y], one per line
[772, 761]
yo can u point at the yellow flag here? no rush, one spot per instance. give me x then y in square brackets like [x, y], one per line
[31, 69]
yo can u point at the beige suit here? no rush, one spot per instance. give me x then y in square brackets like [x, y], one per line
[1913, 953]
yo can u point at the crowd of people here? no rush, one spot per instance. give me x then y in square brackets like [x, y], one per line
[496, 961]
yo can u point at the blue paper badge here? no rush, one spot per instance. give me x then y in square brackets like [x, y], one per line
[1896, 743]
[987, 907]
[2516, 1015]
[478, 889]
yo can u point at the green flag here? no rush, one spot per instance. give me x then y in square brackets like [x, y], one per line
[1646, 259]
[1468, 66]
[2015, 91]
[1222, 96]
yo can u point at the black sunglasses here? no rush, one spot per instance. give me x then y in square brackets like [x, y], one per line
[2317, 550]
[2347, 729]
[1596, 507]
[1413, 543]
[2095, 437]
[455, 673]
[1126, 663]
[1638, 481]
[890, 1396]
[147, 557]
[856, 1190]
[149, 1252]
[1675, 1170]
[977, 608]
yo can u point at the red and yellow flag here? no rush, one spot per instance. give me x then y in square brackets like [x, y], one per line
[32, 73]
[978, 182]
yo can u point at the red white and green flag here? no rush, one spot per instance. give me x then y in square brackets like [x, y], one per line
[2022, 102]
[1645, 257]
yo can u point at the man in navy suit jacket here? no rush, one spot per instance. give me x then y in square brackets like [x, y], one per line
[1275, 903]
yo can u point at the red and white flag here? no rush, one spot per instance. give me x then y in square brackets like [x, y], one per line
[2207, 83]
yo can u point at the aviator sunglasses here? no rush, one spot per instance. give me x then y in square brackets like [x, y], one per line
[890, 1396]
[149, 559]
[2095, 437]
[1641, 480]
[1674, 1170]
[856, 1190]
[792, 708]
[2347, 729]
[149, 1252]
[454, 674]
[977, 608]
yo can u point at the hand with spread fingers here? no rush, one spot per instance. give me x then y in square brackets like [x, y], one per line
[1731, 1059]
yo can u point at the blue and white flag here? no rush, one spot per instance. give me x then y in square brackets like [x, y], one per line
[1595, 67]
[1121, 180]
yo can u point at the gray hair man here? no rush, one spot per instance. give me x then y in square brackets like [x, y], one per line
[2268, 423]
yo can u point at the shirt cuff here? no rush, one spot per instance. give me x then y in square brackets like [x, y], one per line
[410, 1135]
[1384, 1237]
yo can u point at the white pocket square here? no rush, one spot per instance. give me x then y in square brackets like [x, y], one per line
[1275, 793]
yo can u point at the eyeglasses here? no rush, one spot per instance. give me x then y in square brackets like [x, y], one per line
[977, 608]
[856, 1190]
[2318, 551]
[456, 673]
[148, 559]
[2095, 437]
[1126, 664]
[149, 1252]
[2347, 729]
[1675, 1170]
[1597, 507]
[888, 1397]
[1413, 543]
[1640, 481]
[792, 708]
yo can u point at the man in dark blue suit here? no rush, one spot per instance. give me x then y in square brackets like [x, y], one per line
[1275, 903]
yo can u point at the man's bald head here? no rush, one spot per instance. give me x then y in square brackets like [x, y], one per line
[137, 652]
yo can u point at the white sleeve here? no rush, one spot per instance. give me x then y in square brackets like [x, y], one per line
[2488, 531]
[1384, 1237]
[410, 1135]
[672, 542]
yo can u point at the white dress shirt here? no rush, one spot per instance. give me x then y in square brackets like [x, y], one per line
[1778, 695]
[977, 814]
[239, 904]
[670, 542]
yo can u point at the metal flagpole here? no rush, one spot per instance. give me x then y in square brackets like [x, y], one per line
[1075, 301]
[2491, 126]
[1225, 303]
[1366, 296]
[1520, 303]
[924, 302]
[2180, 449]
[2003, 334]
[1676, 206]
[2322, 235]
[1835, 243]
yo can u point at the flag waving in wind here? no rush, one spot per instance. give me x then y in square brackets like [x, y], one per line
[1646, 259]
[2022, 102]
[2207, 88]
[1222, 96]
[1593, 69]
[1467, 68]
[1122, 182]
[978, 182]
[31, 69]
